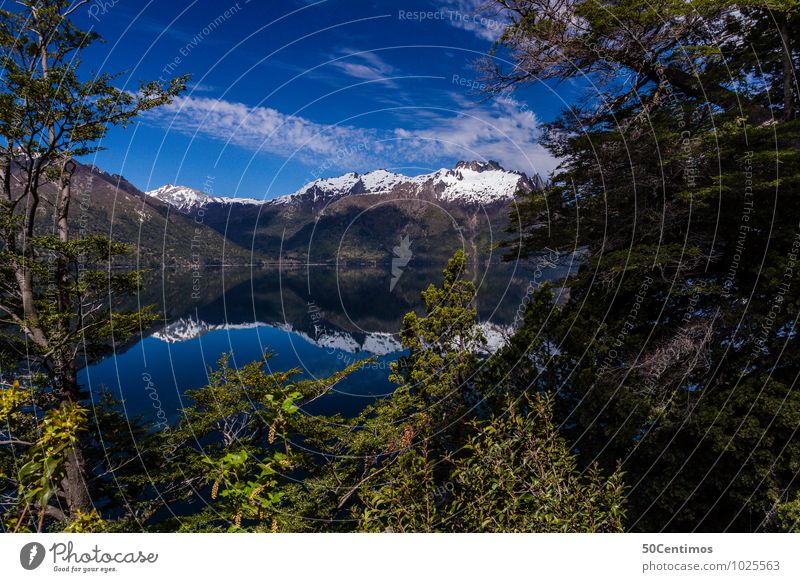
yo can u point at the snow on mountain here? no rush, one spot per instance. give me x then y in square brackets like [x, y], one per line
[375, 343]
[381, 344]
[188, 328]
[381, 180]
[465, 184]
[180, 197]
[322, 188]
[496, 335]
[469, 182]
[184, 198]
[330, 340]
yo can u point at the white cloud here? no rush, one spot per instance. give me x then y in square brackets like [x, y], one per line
[502, 130]
[505, 130]
[476, 16]
[255, 128]
[363, 65]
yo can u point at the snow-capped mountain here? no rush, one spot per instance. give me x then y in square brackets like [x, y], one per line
[189, 328]
[469, 182]
[375, 343]
[185, 199]
[465, 203]
[380, 344]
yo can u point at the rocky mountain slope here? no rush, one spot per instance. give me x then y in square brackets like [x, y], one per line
[469, 183]
[185, 199]
[472, 183]
[362, 217]
[350, 218]
[109, 205]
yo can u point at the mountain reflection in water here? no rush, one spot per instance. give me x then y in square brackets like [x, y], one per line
[317, 319]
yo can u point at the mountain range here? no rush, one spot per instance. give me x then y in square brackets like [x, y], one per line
[475, 183]
[373, 343]
[351, 218]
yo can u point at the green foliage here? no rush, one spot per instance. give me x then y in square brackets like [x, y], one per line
[406, 439]
[253, 499]
[518, 475]
[508, 472]
[40, 470]
[58, 293]
[86, 522]
[672, 354]
[236, 437]
[442, 345]
[789, 516]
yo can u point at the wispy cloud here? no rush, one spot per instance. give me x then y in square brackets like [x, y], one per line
[476, 16]
[502, 130]
[254, 128]
[363, 65]
[202, 88]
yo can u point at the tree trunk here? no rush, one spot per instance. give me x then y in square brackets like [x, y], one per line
[75, 484]
[25, 283]
[62, 227]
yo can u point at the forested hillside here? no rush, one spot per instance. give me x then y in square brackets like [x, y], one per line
[657, 392]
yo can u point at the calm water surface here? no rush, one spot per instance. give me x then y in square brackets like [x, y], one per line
[316, 319]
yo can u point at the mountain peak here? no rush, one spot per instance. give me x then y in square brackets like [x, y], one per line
[185, 198]
[470, 182]
[181, 197]
[478, 166]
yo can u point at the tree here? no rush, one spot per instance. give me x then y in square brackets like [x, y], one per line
[406, 440]
[236, 437]
[673, 354]
[520, 476]
[55, 297]
[446, 462]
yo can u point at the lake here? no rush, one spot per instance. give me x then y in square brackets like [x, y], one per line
[318, 319]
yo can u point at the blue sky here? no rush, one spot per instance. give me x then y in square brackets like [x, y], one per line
[283, 92]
